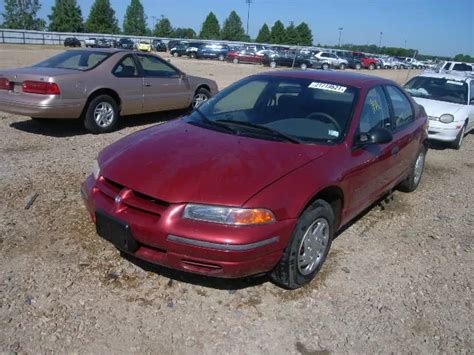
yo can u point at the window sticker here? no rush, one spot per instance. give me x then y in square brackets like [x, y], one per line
[333, 133]
[375, 105]
[328, 87]
[460, 83]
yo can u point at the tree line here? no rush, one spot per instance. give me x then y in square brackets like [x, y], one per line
[66, 16]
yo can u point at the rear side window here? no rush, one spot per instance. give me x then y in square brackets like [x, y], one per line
[402, 110]
[126, 68]
[471, 96]
[155, 67]
[375, 112]
[462, 67]
[77, 60]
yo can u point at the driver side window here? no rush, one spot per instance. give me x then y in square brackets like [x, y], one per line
[375, 112]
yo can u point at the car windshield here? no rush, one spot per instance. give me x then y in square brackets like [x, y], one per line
[77, 60]
[280, 108]
[442, 89]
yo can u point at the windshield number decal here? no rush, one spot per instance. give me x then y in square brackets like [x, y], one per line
[454, 82]
[328, 87]
[333, 133]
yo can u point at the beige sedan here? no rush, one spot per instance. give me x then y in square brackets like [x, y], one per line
[100, 85]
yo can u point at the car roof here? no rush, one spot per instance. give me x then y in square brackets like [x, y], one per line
[344, 78]
[450, 76]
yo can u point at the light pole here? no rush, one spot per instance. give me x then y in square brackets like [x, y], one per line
[405, 44]
[154, 18]
[340, 34]
[380, 40]
[248, 2]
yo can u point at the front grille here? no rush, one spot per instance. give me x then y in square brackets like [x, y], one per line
[130, 198]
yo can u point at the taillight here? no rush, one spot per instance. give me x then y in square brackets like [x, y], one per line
[41, 87]
[5, 84]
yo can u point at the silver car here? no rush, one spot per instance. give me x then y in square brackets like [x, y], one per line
[99, 86]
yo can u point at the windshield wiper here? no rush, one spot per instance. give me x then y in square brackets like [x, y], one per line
[274, 132]
[214, 123]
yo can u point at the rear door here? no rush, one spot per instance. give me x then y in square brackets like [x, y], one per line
[164, 88]
[405, 132]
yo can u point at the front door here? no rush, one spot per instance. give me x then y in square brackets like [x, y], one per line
[164, 87]
[372, 169]
[129, 85]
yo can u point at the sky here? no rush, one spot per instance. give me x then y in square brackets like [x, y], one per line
[436, 27]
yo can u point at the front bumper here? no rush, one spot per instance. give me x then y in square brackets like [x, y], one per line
[444, 132]
[192, 246]
[41, 106]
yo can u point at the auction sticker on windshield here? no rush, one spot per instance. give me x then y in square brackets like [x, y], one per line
[328, 87]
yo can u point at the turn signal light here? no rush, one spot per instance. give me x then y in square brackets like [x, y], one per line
[41, 87]
[6, 84]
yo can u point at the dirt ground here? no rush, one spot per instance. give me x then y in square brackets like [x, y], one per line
[398, 280]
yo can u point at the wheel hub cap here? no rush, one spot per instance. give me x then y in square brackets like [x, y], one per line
[313, 246]
[420, 161]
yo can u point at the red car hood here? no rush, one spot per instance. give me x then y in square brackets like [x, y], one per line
[179, 162]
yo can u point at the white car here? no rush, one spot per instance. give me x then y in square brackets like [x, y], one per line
[449, 102]
[331, 60]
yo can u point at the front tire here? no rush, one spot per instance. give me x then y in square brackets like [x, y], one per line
[342, 66]
[236, 61]
[273, 64]
[411, 183]
[358, 66]
[303, 66]
[308, 247]
[459, 139]
[325, 66]
[200, 96]
[371, 67]
[102, 115]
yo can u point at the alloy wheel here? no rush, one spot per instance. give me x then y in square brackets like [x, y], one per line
[104, 114]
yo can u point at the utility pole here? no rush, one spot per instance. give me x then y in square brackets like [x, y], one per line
[405, 44]
[380, 40]
[340, 34]
[154, 18]
[248, 2]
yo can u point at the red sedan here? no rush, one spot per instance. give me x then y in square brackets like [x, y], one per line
[261, 177]
[245, 56]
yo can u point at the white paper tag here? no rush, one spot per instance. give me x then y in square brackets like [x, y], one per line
[327, 87]
[333, 133]
[454, 82]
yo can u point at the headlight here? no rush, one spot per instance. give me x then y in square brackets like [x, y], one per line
[446, 118]
[96, 169]
[228, 215]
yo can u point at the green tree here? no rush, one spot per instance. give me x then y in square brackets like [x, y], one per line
[187, 33]
[66, 16]
[291, 35]
[278, 33]
[21, 14]
[102, 18]
[305, 35]
[463, 58]
[163, 28]
[134, 22]
[210, 27]
[232, 30]
[264, 35]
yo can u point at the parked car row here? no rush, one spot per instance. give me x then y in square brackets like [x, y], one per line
[310, 140]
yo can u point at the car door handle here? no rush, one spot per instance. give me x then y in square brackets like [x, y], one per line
[147, 84]
[395, 150]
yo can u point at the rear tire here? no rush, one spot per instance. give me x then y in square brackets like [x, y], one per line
[102, 115]
[273, 64]
[175, 54]
[411, 183]
[303, 66]
[235, 61]
[342, 66]
[221, 57]
[358, 66]
[325, 66]
[371, 67]
[308, 247]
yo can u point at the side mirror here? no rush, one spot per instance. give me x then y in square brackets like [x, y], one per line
[471, 102]
[377, 135]
[182, 75]
[380, 135]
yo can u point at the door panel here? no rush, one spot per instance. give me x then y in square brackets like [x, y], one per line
[163, 86]
[373, 170]
[129, 85]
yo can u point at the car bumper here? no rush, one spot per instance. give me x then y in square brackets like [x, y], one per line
[41, 106]
[444, 132]
[192, 246]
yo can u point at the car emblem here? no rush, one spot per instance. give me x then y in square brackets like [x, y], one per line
[118, 199]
